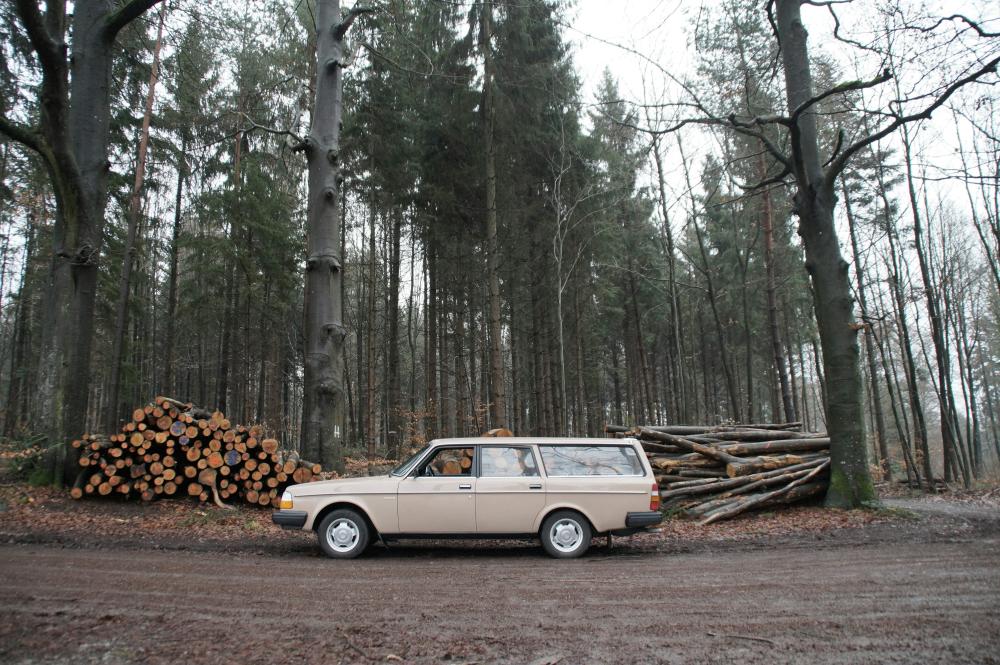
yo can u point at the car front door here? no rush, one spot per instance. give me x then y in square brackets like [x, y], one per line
[510, 492]
[439, 496]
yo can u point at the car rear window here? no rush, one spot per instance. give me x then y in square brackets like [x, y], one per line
[591, 461]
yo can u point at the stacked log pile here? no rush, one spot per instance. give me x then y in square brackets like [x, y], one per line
[171, 448]
[718, 472]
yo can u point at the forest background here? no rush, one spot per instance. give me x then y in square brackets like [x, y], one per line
[648, 269]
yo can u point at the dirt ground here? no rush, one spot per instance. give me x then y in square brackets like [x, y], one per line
[112, 582]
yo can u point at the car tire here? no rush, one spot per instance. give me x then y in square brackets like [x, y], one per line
[566, 534]
[343, 534]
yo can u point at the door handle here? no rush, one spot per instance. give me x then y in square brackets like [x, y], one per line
[465, 487]
[535, 487]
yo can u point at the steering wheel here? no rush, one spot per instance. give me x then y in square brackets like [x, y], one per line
[429, 470]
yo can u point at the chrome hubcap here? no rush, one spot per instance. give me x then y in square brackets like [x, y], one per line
[342, 535]
[566, 535]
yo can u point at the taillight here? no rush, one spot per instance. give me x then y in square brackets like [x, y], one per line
[654, 497]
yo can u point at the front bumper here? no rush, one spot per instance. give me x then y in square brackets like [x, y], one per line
[644, 518]
[290, 519]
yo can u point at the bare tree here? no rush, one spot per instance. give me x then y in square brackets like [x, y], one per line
[498, 409]
[814, 176]
[132, 224]
[565, 200]
[71, 137]
[323, 392]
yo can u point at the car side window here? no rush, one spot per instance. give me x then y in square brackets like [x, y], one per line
[591, 461]
[507, 462]
[450, 462]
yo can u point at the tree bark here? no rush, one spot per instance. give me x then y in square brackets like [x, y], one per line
[771, 289]
[431, 361]
[906, 346]
[111, 418]
[893, 389]
[949, 438]
[19, 373]
[498, 409]
[170, 342]
[677, 333]
[731, 389]
[850, 481]
[231, 294]
[394, 406]
[370, 424]
[876, 396]
[323, 389]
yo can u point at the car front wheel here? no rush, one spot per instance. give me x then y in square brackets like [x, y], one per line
[565, 534]
[343, 534]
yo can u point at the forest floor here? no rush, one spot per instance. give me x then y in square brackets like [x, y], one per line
[102, 581]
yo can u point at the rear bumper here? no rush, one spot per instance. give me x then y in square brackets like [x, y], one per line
[641, 519]
[290, 519]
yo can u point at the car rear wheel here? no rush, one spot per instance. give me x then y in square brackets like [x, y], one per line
[565, 534]
[343, 534]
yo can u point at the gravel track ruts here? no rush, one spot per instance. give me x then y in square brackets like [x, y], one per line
[822, 602]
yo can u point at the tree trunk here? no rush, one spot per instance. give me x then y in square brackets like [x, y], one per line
[732, 391]
[893, 389]
[19, 373]
[394, 406]
[850, 481]
[677, 333]
[906, 347]
[170, 342]
[370, 424]
[230, 291]
[581, 425]
[498, 409]
[76, 259]
[74, 96]
[949, 438]
[771, 289]
[430, 364]
[111, 418]
[323, 389]
[876, 396]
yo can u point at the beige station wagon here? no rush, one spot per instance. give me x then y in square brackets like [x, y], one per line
[561, 491]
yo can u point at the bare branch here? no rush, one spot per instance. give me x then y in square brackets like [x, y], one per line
[838, 164]
[125, 15]
[765, 141]
[642, 56]
[294, 141]
[765, 184]
[24, 135]
[959, 17]
[382, 56]
[42, 41]
[774, 25]
[341, 28]
[790, 120]
[847, 86]
[836, 148]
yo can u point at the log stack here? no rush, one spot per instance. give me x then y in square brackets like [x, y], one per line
[170, 448]
[718, 472]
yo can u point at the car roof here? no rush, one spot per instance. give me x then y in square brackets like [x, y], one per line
[540, 440]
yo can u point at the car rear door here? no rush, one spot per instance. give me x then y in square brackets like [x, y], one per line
[439, 497]
[604, 481]
[510, 491]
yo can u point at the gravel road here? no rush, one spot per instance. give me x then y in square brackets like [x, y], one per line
[825, 602]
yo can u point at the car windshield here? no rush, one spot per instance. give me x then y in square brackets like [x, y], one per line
[403, 468]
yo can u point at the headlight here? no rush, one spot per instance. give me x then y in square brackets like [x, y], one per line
[286, 500]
